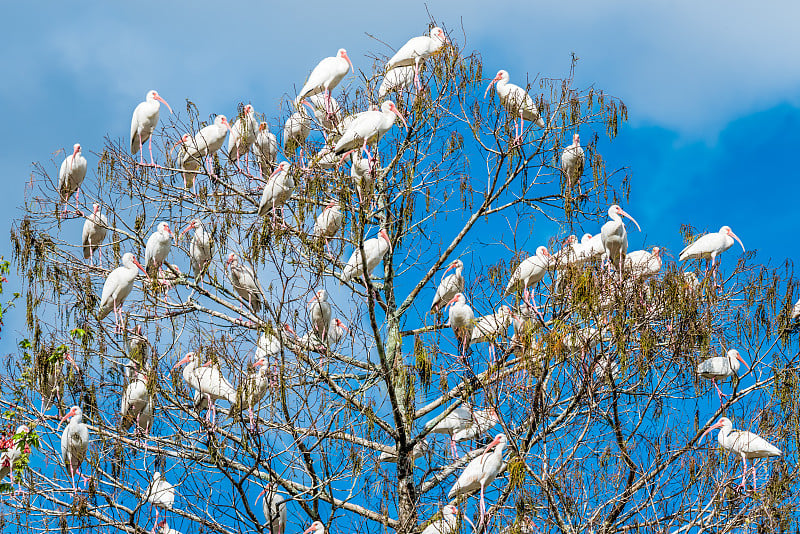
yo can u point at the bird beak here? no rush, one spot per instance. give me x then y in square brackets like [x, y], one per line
[494, 442]
[468, 520]
[314, 298]
[396, 112]
[209, 363]
[452, 300]
[69, 358]
[259, 363]
[183, 360]
[712, 427]
[260, 495]
[277, 170]
[622, 212]
[163, 102]
[66, 416]
[352, 69]
[139, 265]
[309, 529]
[452, 266]
[486, 93]
[739, 357]
[386, 237]
[730, 233]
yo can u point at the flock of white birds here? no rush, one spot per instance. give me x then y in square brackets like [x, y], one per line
[350, 137]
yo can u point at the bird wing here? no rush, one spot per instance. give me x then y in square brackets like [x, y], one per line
[135, 129]
[415, 47]
[703, 246]
[448, 287]
[87, 229]
[470, 479]
[318, 76]
[752, 445]
[717, 367]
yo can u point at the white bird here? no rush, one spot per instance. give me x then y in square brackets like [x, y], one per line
[329, 222]
[481, 472]
[572, 161]
[208, 380]
[642, 263]
[160, 493]
[482, 422]
[529, 273]
[320, 311]
[491, 328]
[243, 134]
[374, 251]
[325, 159]
[710, 245]
[199, 248]
[795, 311]
[745, 444]
[157, 249]
[74, 442]
[517, 102]
[368, 127]
[51, 378]
[461, 319]
[256, 384]
[615, 237]
[265, 148]
[416, 50]
[9, 457]
[94, 233]
[206, 142]
[364, 171]
[593, 246]
[277, 191]
[450, 285]
[448, 523]
[164, 528]
[245, 282]
[583, 339]
[117, 287]
[720, 368]
[316, 527]
[420, 449]
[396, 80]
[143, 124]
[336, 331]
[327, 111]
[71, 175]
[457, 420]
[275, 509]
[325, 76]
[134, 401]
[190, 166]
[295, 131]
[268, 345]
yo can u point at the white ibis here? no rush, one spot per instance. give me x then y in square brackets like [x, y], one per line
[374, 251]
[157, 249]
[327, 111]
[50, 381]
[9, 457]
[199, 247]
[206, 142]
[74, 443]
[316, 527]
[458, 419]
[134, 402]
[117, 287]
[295, 131]
[159, 493]
[482, 422]
[709, 246]
[165, 529]
[190, 166]
[274, 508]
[461, 319]
[721, 368]
[269, 345]
[481, 472]
[491, 328]
[319, 309]
[244, 282]
[325, 159]
[593, 246]
[448, 523]
[745, 444]
[450, 285]
[329, 222]
[583, 339]
[572, 161]
[208, 380]
[642, 263]
[71, 175]
[615, 237]
[368, 127]
[243, 134]
[418, 451]
[265, 148]
[143, 124]
[529, 273]
[517, 102]
[277, 191]
[795, 311]
[396, 80]
[364, 172]
[325, 76]
[94, 233]
[416, 50]
[255, 387]
[336, 331]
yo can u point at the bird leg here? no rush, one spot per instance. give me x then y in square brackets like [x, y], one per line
[453, 449]
[150, 149]
[141, 151]
[78, 211]
[250, 414]
[720, 394]
[365, 149]
[417, 82]
[483, 506]
[744, 472]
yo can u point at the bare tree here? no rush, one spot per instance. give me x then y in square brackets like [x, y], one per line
[597, 395]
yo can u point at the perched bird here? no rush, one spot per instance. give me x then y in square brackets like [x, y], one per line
[143, 124]
[572, 161]
[243, 134]
[420, 449]
[275, 509]
[795, 311]
[745, 444]
[364, 172]
[329, 222]
[208, 380]
[416, 50]
[325, 76]
[462, 321]
[70, 177]
[74, 442]
[94, 233]
[255, 386]
[709, 246]
[450, 285]
[396, 80]
[244, 282]
[336, 331]
[482, 422]
[615, 237]
[721, 368]
[517, 102]
[159, 493]
[164, 528]
[295, 131]
[491, 328]
[320, 311]
[157, 249]
[134, 401]
[643, 264]
[374, 251]
[448, 523]
[206, 143]
[265, 148]
[190, 166]
[593, 246]
[9, 457]
[117, 287]
[481, 472]
[367, 128]
[457, 420]
[529, 273]
[51, 379]
[327, 111]
[199, 248]
[316, 527]
[277, 191]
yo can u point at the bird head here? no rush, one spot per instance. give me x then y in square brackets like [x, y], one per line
[390, 107]
[263, 126]
[576, 139]
[385, 236]
[154, 96]
[721, 423]
[316, 527]
[76, 149]
[75, 410]
[615, 211]
[222, 120]
[186, 359]
[232, 258]
[734, 355]
[342, 53]
[501, 75]
[727, 231]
